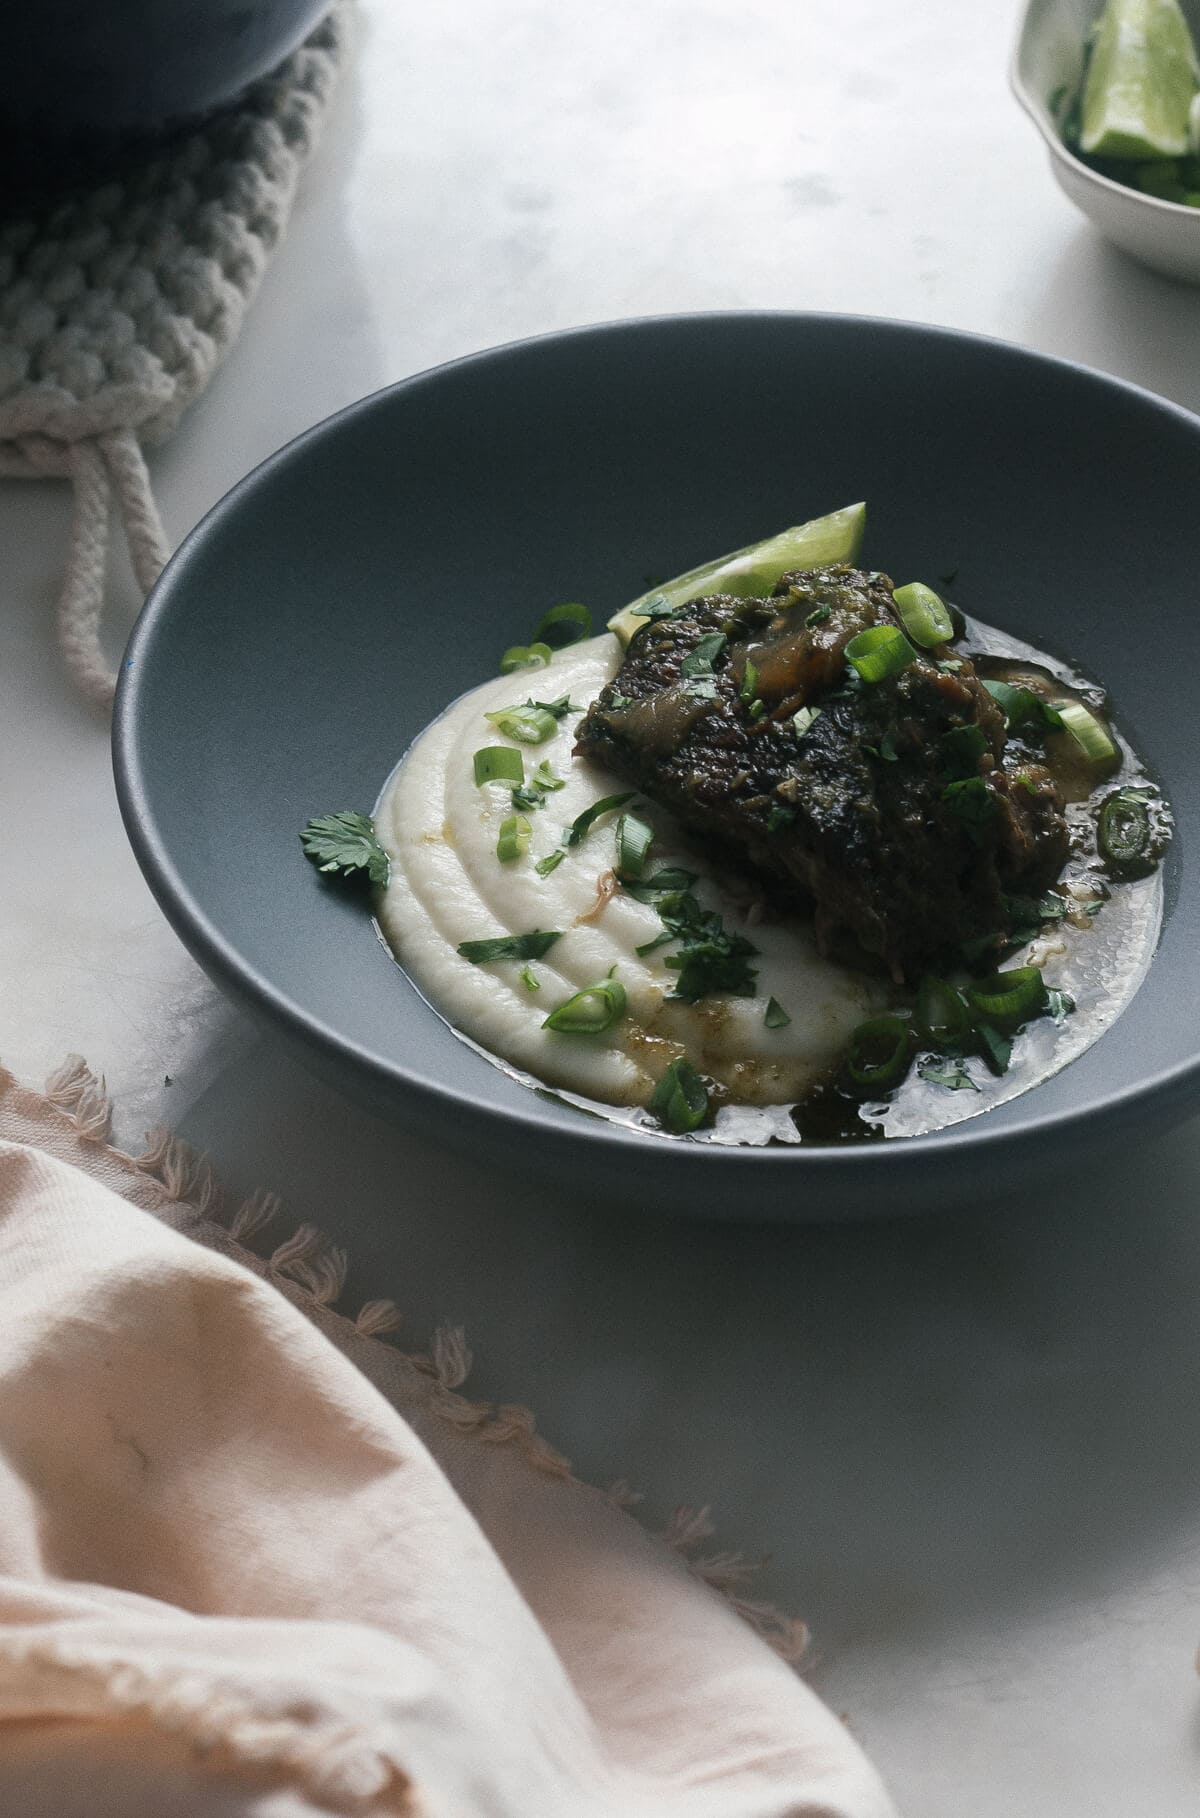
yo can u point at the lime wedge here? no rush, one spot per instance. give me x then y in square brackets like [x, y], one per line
[1141, 78]
[755, 569]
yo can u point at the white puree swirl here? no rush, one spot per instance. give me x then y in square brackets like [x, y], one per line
[448, 886]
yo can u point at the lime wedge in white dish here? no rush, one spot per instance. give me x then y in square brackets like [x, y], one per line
[754, 570]
[1141, 80]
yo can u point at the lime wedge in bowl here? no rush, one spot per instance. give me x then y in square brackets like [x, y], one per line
[1141, 80]
[755, 569]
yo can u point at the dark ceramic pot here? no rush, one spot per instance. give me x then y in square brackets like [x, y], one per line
[83, 84]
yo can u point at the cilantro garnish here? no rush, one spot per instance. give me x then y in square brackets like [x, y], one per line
[346, 843]
[949, 1072]
[509, 947]
[973, 802]
[542, 783]
[709, 960]
[653, 609]
[696, 669]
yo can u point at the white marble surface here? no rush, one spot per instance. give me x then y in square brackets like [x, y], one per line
[971, 1445]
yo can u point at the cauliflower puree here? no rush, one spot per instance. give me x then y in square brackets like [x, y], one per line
[447, 885]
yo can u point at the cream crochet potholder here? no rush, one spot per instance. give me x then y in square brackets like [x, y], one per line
[117, 305]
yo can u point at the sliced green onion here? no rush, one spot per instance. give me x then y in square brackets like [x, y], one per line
[581, 826]
[887, 748]
[531, 724]
[924, 615]
[634, 838]
[1087, 731]
[818, 616]
[1059, 1005]
[995, 1048]
[680, 1101]
[544, 778]
[879, 651]
[525, 656]
[880, 1053]
[1008, 999]
[780, 816]
[1021, 705]
[509, 947]
[942, 1015]
[564, 625]
[530, 979]
[591, 1011]
[749, 688]
[513, 839]
[552, 859]
[962, 747]
[804, 721]
[776, 1016]
[499, 764]
[1123, 830]
[758, 711]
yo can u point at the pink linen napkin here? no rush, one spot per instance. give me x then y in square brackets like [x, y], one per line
[253, 1562]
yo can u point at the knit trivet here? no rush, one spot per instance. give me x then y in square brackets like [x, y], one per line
[117, 305]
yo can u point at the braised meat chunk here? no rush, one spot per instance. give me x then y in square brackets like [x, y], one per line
[886, 803]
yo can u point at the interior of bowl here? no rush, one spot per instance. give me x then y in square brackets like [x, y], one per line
[376, 568]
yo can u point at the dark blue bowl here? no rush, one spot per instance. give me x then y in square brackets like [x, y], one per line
[333, 603]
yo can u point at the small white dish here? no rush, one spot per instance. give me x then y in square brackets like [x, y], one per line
[1048, 61]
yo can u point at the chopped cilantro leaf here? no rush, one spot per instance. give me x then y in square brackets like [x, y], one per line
[509, 947]
[659, 607]
[949, 1072]
[667, 882]
[346, 843]
[557, 709]
[703, 654]
[961, 749]
[582, 825]
[973, 802]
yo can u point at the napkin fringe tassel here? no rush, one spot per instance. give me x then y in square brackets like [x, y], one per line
[317, 1268]
[335, 1763]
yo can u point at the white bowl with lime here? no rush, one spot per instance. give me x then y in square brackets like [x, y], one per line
[1114, 91]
